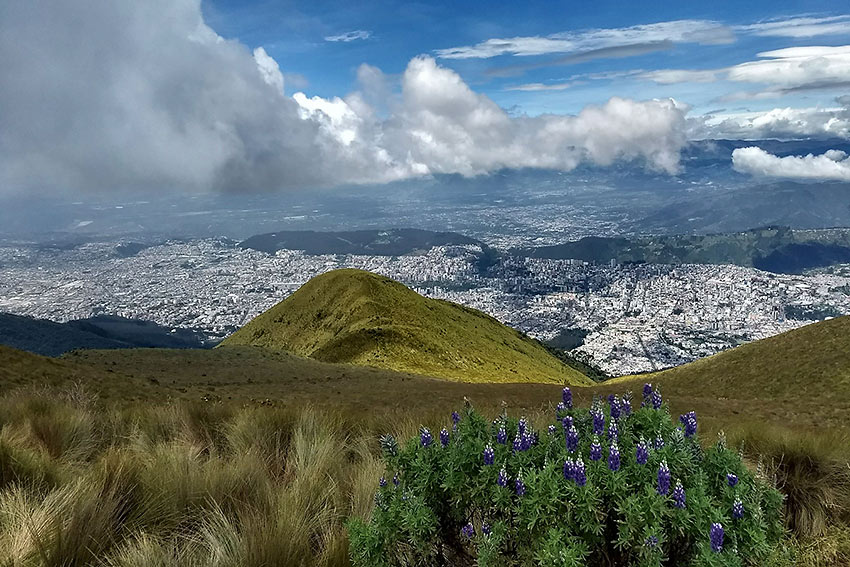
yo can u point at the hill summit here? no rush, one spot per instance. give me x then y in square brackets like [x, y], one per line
[357, 317]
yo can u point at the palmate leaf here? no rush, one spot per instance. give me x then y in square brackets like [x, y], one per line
[607, 514]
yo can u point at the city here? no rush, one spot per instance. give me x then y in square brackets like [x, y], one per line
[633, 318]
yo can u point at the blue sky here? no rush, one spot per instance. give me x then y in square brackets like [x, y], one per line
[388, 34]
[209, 95]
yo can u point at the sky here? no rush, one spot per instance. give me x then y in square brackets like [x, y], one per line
[218, 95]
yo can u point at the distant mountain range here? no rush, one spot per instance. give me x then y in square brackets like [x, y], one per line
[357, 317]
[101, 332]
[774, 249]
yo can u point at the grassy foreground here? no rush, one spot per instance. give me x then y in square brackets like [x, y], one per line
[84, 482]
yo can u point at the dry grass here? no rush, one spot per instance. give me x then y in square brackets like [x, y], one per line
[84, 482]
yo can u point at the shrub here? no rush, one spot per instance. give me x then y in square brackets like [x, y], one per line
[610, 486]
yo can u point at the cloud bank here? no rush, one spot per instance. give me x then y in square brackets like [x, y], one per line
[155, 99]
[832, 165]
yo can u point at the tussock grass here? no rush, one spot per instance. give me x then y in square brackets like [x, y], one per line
[812, 469]
[85, 483]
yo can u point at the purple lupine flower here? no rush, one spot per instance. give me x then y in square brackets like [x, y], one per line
[595, 450]
[572, 439]
[468, 530]
[656, 399]
[626, 404]
[567, 397]
[663, 479]
[502, 436]
[598, 421]
[716, 537]
[560, 408]
[444, 437]
[521, 425]
[382, 482]
[613, 430]
[395, 479]
[658, 443]
[642, 452]
[524, 442]
[614, 457]
[647, 394]
[689, 421]
[731, 479]
[520, 486]
[489, 455]
[679, 495]
[651, 542]
[551, 430]
[567, 422]
[485, 529]
[580, 473]
[455, 418]
[517, 446]
[569, 469]
[737, 509]
[535, 438]
[614, 403]
[502, 479]
[425, 437]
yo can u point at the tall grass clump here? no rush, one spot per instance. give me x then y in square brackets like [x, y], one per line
[610, 486]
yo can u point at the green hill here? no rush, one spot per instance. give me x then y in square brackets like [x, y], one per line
[809, 365]
[356, 317]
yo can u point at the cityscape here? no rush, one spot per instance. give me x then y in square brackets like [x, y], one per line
[628, 318]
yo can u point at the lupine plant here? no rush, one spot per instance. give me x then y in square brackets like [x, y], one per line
[554, 500]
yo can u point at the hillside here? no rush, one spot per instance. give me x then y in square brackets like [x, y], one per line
[49, 338]
[356, 317]
[809, 365]
[774, 249]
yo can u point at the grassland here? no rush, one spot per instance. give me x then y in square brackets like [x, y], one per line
[356, 317]
[246, 456]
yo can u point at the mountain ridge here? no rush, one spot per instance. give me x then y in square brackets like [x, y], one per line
[357, 317]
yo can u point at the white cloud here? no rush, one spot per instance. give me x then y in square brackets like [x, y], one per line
[832, 165]
[530, 87]
[350, 36]
[155, 99]
[678, 31]
[782, 123]
[269, 69]
[672, 76]
[796, 67]
[799, 27]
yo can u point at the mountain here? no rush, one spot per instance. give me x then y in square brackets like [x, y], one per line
[391, 242]
[804, 366]
[101, 332]
[773, 248]
[357, 317]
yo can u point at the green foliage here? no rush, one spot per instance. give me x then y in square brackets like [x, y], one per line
[451, 507]
[353, 316]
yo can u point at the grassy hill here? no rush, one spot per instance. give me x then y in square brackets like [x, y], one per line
[356, 317]
[807, 369]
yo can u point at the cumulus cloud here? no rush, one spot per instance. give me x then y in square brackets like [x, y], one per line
[155, 99]
[831, 165]
[678, 31]
[350, 36]
[269, 69]
[781, 123]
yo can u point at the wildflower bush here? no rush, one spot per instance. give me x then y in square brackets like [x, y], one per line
[609, 485]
